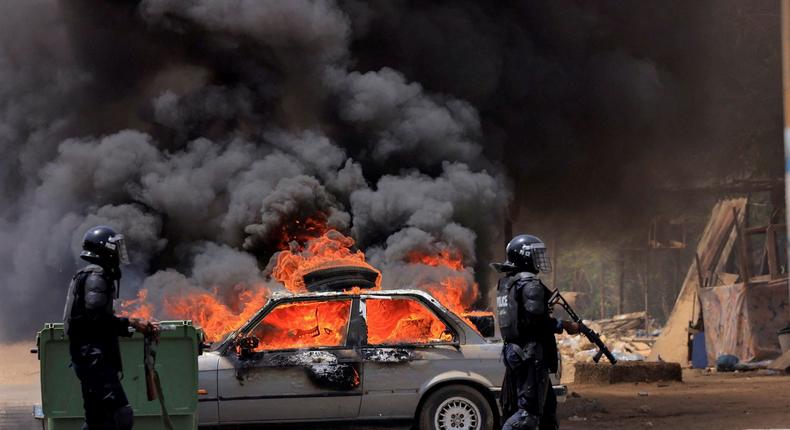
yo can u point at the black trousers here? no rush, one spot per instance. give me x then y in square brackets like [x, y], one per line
[534, 396]
[105, 403]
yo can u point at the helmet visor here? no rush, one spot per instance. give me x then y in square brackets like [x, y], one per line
[119, 245]
[541, 259]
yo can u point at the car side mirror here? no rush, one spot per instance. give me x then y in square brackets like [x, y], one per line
[247, 345]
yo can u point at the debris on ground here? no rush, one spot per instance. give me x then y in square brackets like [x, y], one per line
[624, 335]
[627, 371]
[781, 364]
[726, 363]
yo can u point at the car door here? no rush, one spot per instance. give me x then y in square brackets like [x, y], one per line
[304, 366]
[407, 345]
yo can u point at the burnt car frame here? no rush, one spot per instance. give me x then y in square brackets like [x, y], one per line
[450, 382]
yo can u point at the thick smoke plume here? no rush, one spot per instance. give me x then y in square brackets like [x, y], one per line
[232, 128]
[203, 129]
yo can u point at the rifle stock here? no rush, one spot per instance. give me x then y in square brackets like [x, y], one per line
[590, 334]
[149, 361]
[153, 385]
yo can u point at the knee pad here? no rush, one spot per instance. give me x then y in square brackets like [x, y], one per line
[522, 420]
[124, 418]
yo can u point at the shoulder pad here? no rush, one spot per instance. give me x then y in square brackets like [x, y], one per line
[91, 268]
[97, 291]
[534, 296]
[525, 278]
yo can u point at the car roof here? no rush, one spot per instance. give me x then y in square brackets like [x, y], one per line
[285, 295]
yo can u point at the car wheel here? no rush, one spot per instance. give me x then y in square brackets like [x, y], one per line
[456, 407]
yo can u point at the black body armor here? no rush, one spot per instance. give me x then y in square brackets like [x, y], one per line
[523, 313]
[89, 317]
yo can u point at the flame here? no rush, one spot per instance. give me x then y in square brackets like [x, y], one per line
[455, 292]
[304, 325]
[211, 314]
[393, 321]
[451, 259]
[309, 246]
[332, 249]
[138, 307]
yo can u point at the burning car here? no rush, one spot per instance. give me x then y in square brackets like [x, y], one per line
[354, 355]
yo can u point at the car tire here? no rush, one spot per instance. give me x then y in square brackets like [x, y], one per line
[456, 407]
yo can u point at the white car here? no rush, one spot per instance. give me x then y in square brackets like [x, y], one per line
[348, 356]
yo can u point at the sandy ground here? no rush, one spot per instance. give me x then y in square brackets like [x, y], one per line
[703, 401]
[19, 374]
[716, 401]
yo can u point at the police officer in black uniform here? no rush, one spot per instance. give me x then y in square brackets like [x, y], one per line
[93, 330]
[528, 329]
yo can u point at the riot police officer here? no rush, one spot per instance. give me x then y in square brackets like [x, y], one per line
[528, 329]
[93, 330]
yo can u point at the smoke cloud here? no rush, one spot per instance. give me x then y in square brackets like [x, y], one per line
[200, 129]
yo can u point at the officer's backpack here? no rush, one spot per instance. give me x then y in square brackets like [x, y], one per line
[508, 304]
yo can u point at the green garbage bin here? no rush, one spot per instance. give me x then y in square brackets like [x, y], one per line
[176, 363]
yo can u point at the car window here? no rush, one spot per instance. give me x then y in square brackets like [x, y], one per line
[403, 321]
[308, 324]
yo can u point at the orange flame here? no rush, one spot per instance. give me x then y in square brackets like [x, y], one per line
[310, 246]
[331, 249]
[304, 325]
[211, 314]
[393, 321]
[138, 307]
[454, 292]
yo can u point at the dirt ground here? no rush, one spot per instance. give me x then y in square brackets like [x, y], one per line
[19, 366]
[715, 401]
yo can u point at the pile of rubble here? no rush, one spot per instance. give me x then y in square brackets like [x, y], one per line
[625, 335]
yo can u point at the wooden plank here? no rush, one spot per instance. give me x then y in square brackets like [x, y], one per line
[672, 344]
[770, 244]
[700, 276]
[743, 250]
[726, 250]
[727, 278]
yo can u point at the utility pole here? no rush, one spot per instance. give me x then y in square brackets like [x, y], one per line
[786, 94]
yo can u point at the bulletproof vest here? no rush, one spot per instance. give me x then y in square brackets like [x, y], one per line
[75, 299]
[508, 304]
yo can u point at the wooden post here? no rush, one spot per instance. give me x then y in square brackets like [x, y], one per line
[602, 290]
[554, 262]
[621, 285]
[646, 289]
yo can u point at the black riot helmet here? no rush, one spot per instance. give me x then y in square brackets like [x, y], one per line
[103, 246]
[525, 253]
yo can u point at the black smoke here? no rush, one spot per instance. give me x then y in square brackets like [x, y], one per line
[199, 128]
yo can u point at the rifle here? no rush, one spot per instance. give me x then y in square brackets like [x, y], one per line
[153, 386]
[557, 299]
